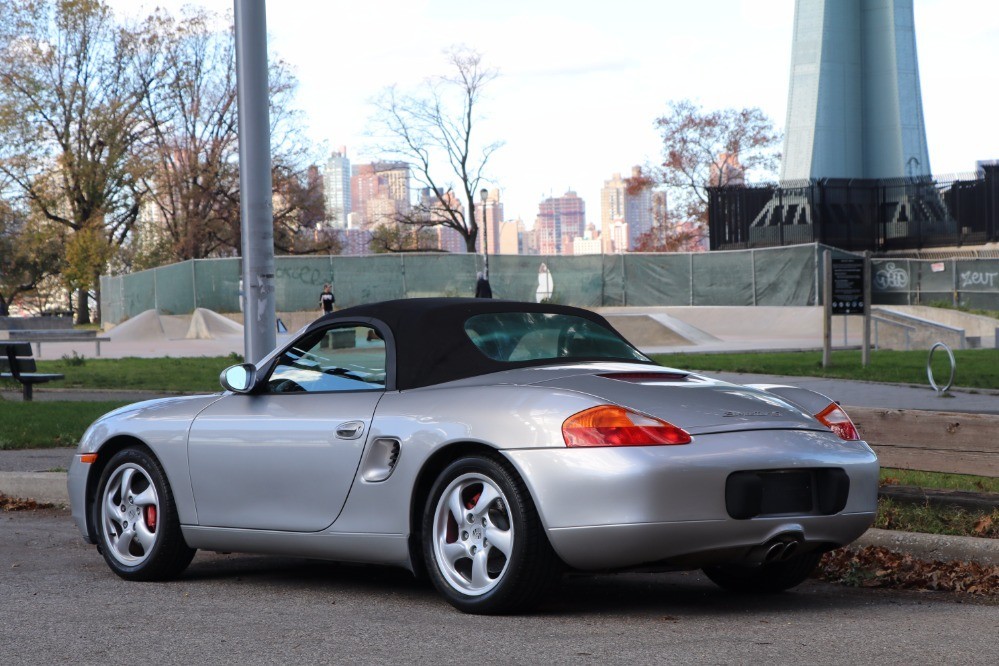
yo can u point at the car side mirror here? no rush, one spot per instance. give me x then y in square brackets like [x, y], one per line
[239, 378]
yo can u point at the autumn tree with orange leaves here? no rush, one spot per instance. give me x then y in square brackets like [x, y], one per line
[702, 149]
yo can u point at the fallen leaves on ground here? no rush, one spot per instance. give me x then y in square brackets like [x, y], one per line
[983, 526]
[16, 504]
[874, 566]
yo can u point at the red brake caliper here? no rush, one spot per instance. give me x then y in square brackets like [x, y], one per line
[151, 518]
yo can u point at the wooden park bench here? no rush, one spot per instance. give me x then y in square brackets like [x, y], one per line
[17, 363]
[37, 337]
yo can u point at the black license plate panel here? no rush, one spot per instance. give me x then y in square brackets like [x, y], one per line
[786, 492]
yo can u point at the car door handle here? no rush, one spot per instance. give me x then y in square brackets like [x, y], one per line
[350, 430]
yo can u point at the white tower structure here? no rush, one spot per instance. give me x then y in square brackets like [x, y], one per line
[855, 109]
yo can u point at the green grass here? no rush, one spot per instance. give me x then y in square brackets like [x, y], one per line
[930, 519]
[940, 481]
[141, 374]
[42, 425]
[976, 368]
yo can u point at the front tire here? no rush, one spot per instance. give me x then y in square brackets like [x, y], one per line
[767, 578]
[485, 549]
[138, 530]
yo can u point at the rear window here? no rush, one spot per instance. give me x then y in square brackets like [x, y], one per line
[529, 336]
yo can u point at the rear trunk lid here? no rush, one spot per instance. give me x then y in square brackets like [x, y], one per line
[698, 404]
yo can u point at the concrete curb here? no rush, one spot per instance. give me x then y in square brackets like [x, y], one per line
[50, 487]
[46, 487]
[934, 546]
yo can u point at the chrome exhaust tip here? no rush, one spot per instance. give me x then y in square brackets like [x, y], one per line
[775, 552]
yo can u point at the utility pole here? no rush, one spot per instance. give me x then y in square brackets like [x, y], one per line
[256, 212]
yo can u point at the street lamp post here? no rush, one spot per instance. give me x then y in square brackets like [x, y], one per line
[483, 194]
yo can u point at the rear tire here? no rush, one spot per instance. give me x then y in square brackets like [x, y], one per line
[484, 547]
[765, 578]
[138, 530]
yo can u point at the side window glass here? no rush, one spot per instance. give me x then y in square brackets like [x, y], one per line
[344, 358]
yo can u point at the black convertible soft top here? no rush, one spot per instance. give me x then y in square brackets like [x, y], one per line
[431, 345]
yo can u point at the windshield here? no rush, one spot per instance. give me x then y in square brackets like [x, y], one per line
[530, 336]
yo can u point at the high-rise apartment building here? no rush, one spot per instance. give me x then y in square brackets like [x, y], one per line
[560, 220]
[489, 219]
[447, 238]
[336, 187]
[379, 191]
[510, 235]
[625, 202]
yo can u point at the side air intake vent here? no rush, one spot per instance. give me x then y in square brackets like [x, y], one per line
[381, 460]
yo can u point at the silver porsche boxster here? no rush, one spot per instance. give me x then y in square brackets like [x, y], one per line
[488, 445]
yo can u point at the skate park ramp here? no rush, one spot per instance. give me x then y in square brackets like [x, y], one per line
[146, 325]
[208, 325]
[648, 330]
[723, 328]
[150, 325]
[151, 334]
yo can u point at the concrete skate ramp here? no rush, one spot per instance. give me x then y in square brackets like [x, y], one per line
[143, 326]
[208, 325]
[736, 328]
[150, 326]
[644, 331]
[752, 323]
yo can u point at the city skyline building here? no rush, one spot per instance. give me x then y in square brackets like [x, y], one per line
[379, 193]
[588, 243]
[627, 202]
[489, 219]
[560, 220]
[337, 190]
[511, 237]
[447, 239]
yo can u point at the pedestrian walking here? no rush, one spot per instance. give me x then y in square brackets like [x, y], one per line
[326, 299]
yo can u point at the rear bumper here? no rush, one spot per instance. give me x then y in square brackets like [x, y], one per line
[607, 508]
[699, 543]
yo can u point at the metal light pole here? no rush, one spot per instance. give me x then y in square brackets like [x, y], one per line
[483, 194]
[256, 212]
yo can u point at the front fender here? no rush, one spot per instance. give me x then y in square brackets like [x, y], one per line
[162, 426]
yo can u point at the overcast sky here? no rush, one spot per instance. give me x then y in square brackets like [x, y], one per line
[582, 81]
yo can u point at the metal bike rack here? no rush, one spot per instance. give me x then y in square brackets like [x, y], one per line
[929, 368]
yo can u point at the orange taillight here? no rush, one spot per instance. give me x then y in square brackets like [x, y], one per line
[839, 422]
[610, 425]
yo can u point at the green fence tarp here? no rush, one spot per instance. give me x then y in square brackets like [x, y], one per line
[773, 276]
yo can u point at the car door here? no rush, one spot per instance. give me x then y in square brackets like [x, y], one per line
[284, 458]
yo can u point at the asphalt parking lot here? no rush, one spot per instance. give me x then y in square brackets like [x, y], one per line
[62, 604]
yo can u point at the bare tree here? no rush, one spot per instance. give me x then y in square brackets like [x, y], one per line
[704, 149]
[434, 130]
[70, 95]
[193, 179]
